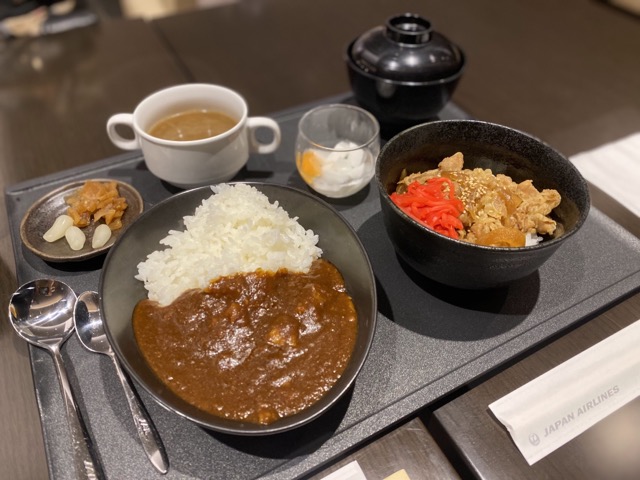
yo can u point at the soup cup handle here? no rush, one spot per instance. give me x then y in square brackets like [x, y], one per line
[253, 124]
[119, 141]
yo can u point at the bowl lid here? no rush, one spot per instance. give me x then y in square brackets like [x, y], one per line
[406, 49]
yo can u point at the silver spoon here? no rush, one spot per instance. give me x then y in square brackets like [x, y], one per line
[90, 330]
[41, 312]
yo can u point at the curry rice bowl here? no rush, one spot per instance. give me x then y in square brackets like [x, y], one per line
[236, 230]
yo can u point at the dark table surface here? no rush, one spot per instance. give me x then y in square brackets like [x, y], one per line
[566, 72]
[481, 446]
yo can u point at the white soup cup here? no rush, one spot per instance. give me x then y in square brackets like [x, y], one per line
[193, 163]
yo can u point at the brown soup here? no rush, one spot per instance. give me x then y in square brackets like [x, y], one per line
[253, 347]
[192, 125]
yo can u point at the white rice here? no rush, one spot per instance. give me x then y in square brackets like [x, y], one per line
[532, 239]
[237, 230]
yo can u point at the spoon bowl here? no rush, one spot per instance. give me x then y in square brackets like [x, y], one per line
[41, 312]
[89, 326]
[92, 335]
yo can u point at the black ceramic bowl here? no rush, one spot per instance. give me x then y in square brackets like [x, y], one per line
[503, 150]
[120, 291]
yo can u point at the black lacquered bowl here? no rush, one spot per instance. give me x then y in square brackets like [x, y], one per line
[398, 102]
[404, 72]
[503, 150]
[120, 292]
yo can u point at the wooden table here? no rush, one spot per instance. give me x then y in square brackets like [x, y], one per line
[56, 93]
[566, 72]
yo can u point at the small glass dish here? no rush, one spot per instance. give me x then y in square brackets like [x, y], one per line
[336, 149]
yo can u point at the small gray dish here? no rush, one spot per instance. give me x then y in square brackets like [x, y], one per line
[43, 213]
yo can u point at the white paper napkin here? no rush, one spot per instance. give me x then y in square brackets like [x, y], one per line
[351, 471]
[549, 411]
[615, 169]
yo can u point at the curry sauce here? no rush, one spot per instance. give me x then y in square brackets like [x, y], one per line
[253, 347]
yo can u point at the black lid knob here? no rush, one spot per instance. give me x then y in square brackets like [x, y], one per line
[408, 28]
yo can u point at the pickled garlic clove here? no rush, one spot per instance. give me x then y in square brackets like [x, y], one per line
[58, 229]
[75, 238]
[101, 236]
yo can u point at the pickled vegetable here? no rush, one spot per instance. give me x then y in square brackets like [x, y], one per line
[58, 229]
[99, 200]
[101, 236]
[75, 238]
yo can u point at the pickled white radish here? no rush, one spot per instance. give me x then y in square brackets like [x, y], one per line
[58, 229]
[101, 236]
[75, 238]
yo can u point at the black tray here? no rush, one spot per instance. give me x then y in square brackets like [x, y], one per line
[430, 339]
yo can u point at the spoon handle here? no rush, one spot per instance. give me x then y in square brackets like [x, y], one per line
[85, 458]
[151, 442]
